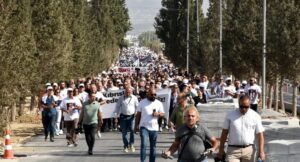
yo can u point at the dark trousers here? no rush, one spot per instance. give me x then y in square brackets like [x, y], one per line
[160, 120]
[107, 125]
[89, 131]
[71, 136]
[49, 121]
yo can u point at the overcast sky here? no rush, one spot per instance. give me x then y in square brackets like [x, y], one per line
[142, 13]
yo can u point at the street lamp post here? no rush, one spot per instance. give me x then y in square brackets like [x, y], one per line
[264, 56]
[187, 36]
[198, 31]
[221, 38]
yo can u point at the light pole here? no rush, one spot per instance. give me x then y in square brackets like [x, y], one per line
[264, 56]
[197, 4]
[221, 38]
[187, 36]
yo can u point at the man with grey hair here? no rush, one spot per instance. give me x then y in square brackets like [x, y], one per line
[126, 108]
[189, 139]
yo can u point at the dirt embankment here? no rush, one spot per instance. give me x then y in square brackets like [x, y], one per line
[23, 129]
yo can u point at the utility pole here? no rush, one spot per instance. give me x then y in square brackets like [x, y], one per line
[187, 36]
[264, 56]
[198, 31]
[221, 38]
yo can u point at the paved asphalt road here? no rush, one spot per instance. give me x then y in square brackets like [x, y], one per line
[107, 149]
[288, 97]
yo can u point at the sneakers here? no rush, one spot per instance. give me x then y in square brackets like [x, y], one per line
[160, 129]
[51, 139]
[132, 149]
[99, 134]
[167, 128]
[126, 149]
[70, 145]
[61, 132]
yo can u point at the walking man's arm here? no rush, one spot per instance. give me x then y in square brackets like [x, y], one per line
[222, 142]
[261, 142]
[137, 121]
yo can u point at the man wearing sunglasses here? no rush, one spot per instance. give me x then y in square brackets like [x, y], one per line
[242, 125]
[148, 112]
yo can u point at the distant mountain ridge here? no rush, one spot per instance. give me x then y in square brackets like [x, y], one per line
[142, 13]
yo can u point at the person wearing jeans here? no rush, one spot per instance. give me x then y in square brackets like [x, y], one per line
[152, 136]
[49, 102]
[126, 107]
[148, 111]
[126, 122]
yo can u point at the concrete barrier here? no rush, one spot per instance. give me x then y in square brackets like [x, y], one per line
[283, 151]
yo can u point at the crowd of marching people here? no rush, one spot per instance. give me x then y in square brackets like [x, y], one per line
[136, 57]
[68, 106]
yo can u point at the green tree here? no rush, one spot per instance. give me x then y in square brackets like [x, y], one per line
[17, 47]
[243, 37]
[171, 28]
[53, 40]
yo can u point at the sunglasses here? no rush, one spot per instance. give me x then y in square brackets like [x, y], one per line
[152, 95]
[244, 107]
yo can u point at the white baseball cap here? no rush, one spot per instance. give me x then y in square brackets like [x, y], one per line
[228, 78]
[185, 81]
[202, 85]
[49, 88]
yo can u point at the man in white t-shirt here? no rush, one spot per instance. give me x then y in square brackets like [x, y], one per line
[229, 90]
[83, 95]
[254, 92]
[63, 90]
[111, 85]
[204, 81]
[148, 112]
[71, 106]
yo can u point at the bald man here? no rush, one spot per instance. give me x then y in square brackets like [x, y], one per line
[148, 112]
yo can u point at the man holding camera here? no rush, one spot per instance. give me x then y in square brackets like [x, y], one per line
[148, 111]
[91, 119]
[190, 139]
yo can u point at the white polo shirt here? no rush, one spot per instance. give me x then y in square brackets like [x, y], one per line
[146, 108]
[242, 128]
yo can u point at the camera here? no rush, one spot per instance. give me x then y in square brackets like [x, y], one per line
[78, 130]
